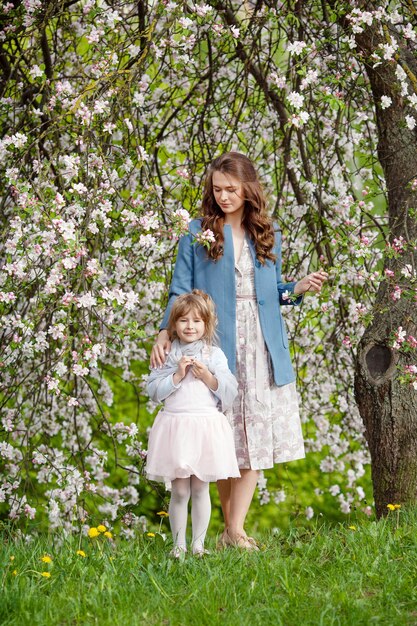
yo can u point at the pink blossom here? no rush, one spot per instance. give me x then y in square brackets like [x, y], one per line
[79, 370]
[206, 236]
[396, 294]
[299, 119]
[68, 298]
[29, 511]
[218, 28]
[400, 335]
[53, 384]
[412, 341]
[10, 296]
[184, 173]
[398, 244]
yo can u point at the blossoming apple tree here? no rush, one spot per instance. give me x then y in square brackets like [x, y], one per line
[111, 111]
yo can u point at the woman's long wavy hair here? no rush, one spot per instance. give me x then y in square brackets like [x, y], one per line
[255, 220]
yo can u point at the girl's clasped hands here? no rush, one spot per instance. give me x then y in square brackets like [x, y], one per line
[199, 370]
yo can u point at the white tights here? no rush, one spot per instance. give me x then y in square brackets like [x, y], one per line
[181, 490]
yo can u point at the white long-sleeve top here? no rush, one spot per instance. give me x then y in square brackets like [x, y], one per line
[160, 386]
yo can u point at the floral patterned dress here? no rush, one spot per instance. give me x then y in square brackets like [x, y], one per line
[264, 417]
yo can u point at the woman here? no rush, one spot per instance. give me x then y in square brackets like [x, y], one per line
[241, 271]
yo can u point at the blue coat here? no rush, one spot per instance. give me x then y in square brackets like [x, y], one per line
[194, 270]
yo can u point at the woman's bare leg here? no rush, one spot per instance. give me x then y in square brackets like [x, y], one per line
[241, 494]
[224, 488]
[235, 497]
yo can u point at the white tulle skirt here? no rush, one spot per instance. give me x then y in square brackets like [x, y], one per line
[191, 437]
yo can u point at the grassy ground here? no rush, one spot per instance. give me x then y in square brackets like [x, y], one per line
[317, 575]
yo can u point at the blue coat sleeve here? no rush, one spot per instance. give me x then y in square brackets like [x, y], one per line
[283, 288]
[183, 277]
[226, 391]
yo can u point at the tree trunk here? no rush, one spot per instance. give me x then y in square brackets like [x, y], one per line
[388, 406]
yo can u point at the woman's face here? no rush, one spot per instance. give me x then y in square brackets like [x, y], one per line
[228, 193]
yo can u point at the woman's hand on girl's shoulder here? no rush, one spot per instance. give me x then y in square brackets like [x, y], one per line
[312, 282]
[160, 350]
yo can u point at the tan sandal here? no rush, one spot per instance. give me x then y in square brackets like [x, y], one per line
[222, 541]
[240, 541]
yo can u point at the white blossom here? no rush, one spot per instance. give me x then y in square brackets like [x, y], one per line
[410, 121]
[296, 47]
[386, 102]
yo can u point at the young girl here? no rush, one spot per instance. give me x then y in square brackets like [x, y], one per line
[191, 442]
[242, 273]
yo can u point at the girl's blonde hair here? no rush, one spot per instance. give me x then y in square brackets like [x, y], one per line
[201, 303]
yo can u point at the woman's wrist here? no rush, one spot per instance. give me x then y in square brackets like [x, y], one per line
[163, 336]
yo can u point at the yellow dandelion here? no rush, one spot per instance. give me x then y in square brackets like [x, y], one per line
[393, 507]
[352, 527]
[46, 559]
[150, 534]
[101, 528]
[12, 558]
[14, 572]
[163, 514]
[108, 534]
[46, 574]
[93, 532]
[81, 553]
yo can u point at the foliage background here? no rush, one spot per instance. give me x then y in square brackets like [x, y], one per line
[111, 112]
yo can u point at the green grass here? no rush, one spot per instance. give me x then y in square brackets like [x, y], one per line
[319, 574]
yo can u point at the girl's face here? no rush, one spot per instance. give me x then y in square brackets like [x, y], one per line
[228, 193]
[190, 327]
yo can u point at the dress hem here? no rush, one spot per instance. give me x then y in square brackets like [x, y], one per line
[204, 478]
[275, 462]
